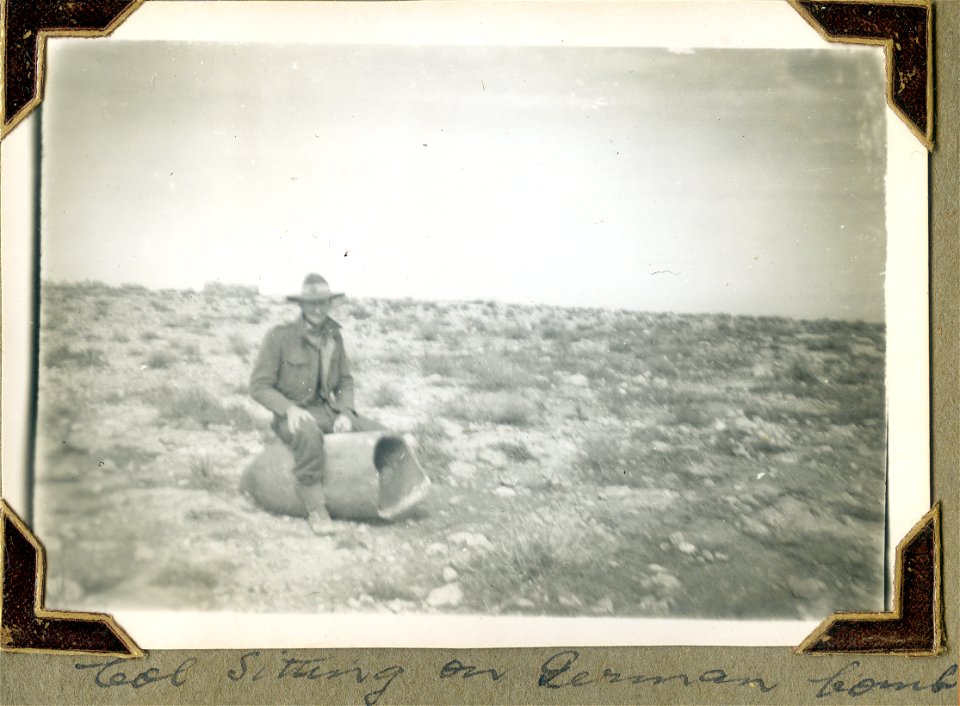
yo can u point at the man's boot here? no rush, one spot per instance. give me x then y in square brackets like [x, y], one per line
[315, 501]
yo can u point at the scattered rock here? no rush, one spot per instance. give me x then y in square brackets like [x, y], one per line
[450, 574]
[615, 491]
[450, 596]
[398, 605]
[493, 457]
[687, 548]
[806, 587]
[668, 581]
[436, 549]
[604, 605]
[523, 603]
[708, 555]
[656, 568]
[472, 540]
[452, 429]
[509, 478]
[762, 370]
[578, 380]
[505, 492]
[572, 602]
[462, 469]
[754, 527]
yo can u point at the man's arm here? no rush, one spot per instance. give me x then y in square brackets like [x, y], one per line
[266, 372]
[344, 389]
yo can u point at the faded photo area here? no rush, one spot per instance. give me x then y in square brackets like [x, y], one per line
[624, 307]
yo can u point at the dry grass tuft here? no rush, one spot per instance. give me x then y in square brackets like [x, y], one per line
[494, 408]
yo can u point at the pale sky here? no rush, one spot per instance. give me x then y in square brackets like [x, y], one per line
[722, 180]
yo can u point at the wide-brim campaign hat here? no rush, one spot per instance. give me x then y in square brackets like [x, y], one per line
[315, 289]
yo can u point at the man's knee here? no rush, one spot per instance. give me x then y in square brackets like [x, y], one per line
[366, 424]
[308, 437]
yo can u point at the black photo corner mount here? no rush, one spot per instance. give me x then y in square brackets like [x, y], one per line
[27, 625]
[904, 28]
[27, 24]
[915, 625]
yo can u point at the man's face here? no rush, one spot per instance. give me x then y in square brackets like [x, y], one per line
[316, 312]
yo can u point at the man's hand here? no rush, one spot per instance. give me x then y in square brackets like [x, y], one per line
[342, 424]
[297, 416]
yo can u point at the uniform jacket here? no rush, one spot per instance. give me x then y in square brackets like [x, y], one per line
[287, 371]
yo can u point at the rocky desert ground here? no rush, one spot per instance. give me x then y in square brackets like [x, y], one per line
[585, 462]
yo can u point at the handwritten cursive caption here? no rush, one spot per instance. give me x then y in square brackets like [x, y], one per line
[566, 670]
[851, 683]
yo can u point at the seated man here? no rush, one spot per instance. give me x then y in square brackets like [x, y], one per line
[302, 375]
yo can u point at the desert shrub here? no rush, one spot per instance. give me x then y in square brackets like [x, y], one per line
[516, 452]
[766, 446]
[239, 345]
[544, 560]
[203, 474]
[663, 367]
[861, 375]
[730, 442]
[431, 449]
[531, 555]
[101, 308]
[53, 319]
[556, 333]
[256, 316]
[801, 372]
[190, 352]
[160, 306]
[443, 365]
[395, 356]
[60, 411]
[389, 587]
[832, 344]
[493, 407]
[133, 458]
[180, 323]
[162, 359]
[189, 577]
[516, 332]
[149, 335]
[429, 331]
[495, 372]
[120, 337]
[198, 405]
[603, 460]
[360, 312]
[623, 344]
[64, 355]
[387, 395]
[859, 412]
[725, 360]
[223, 289]
[691, 415]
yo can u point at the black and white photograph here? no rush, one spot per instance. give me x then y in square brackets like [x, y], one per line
[440, 329]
